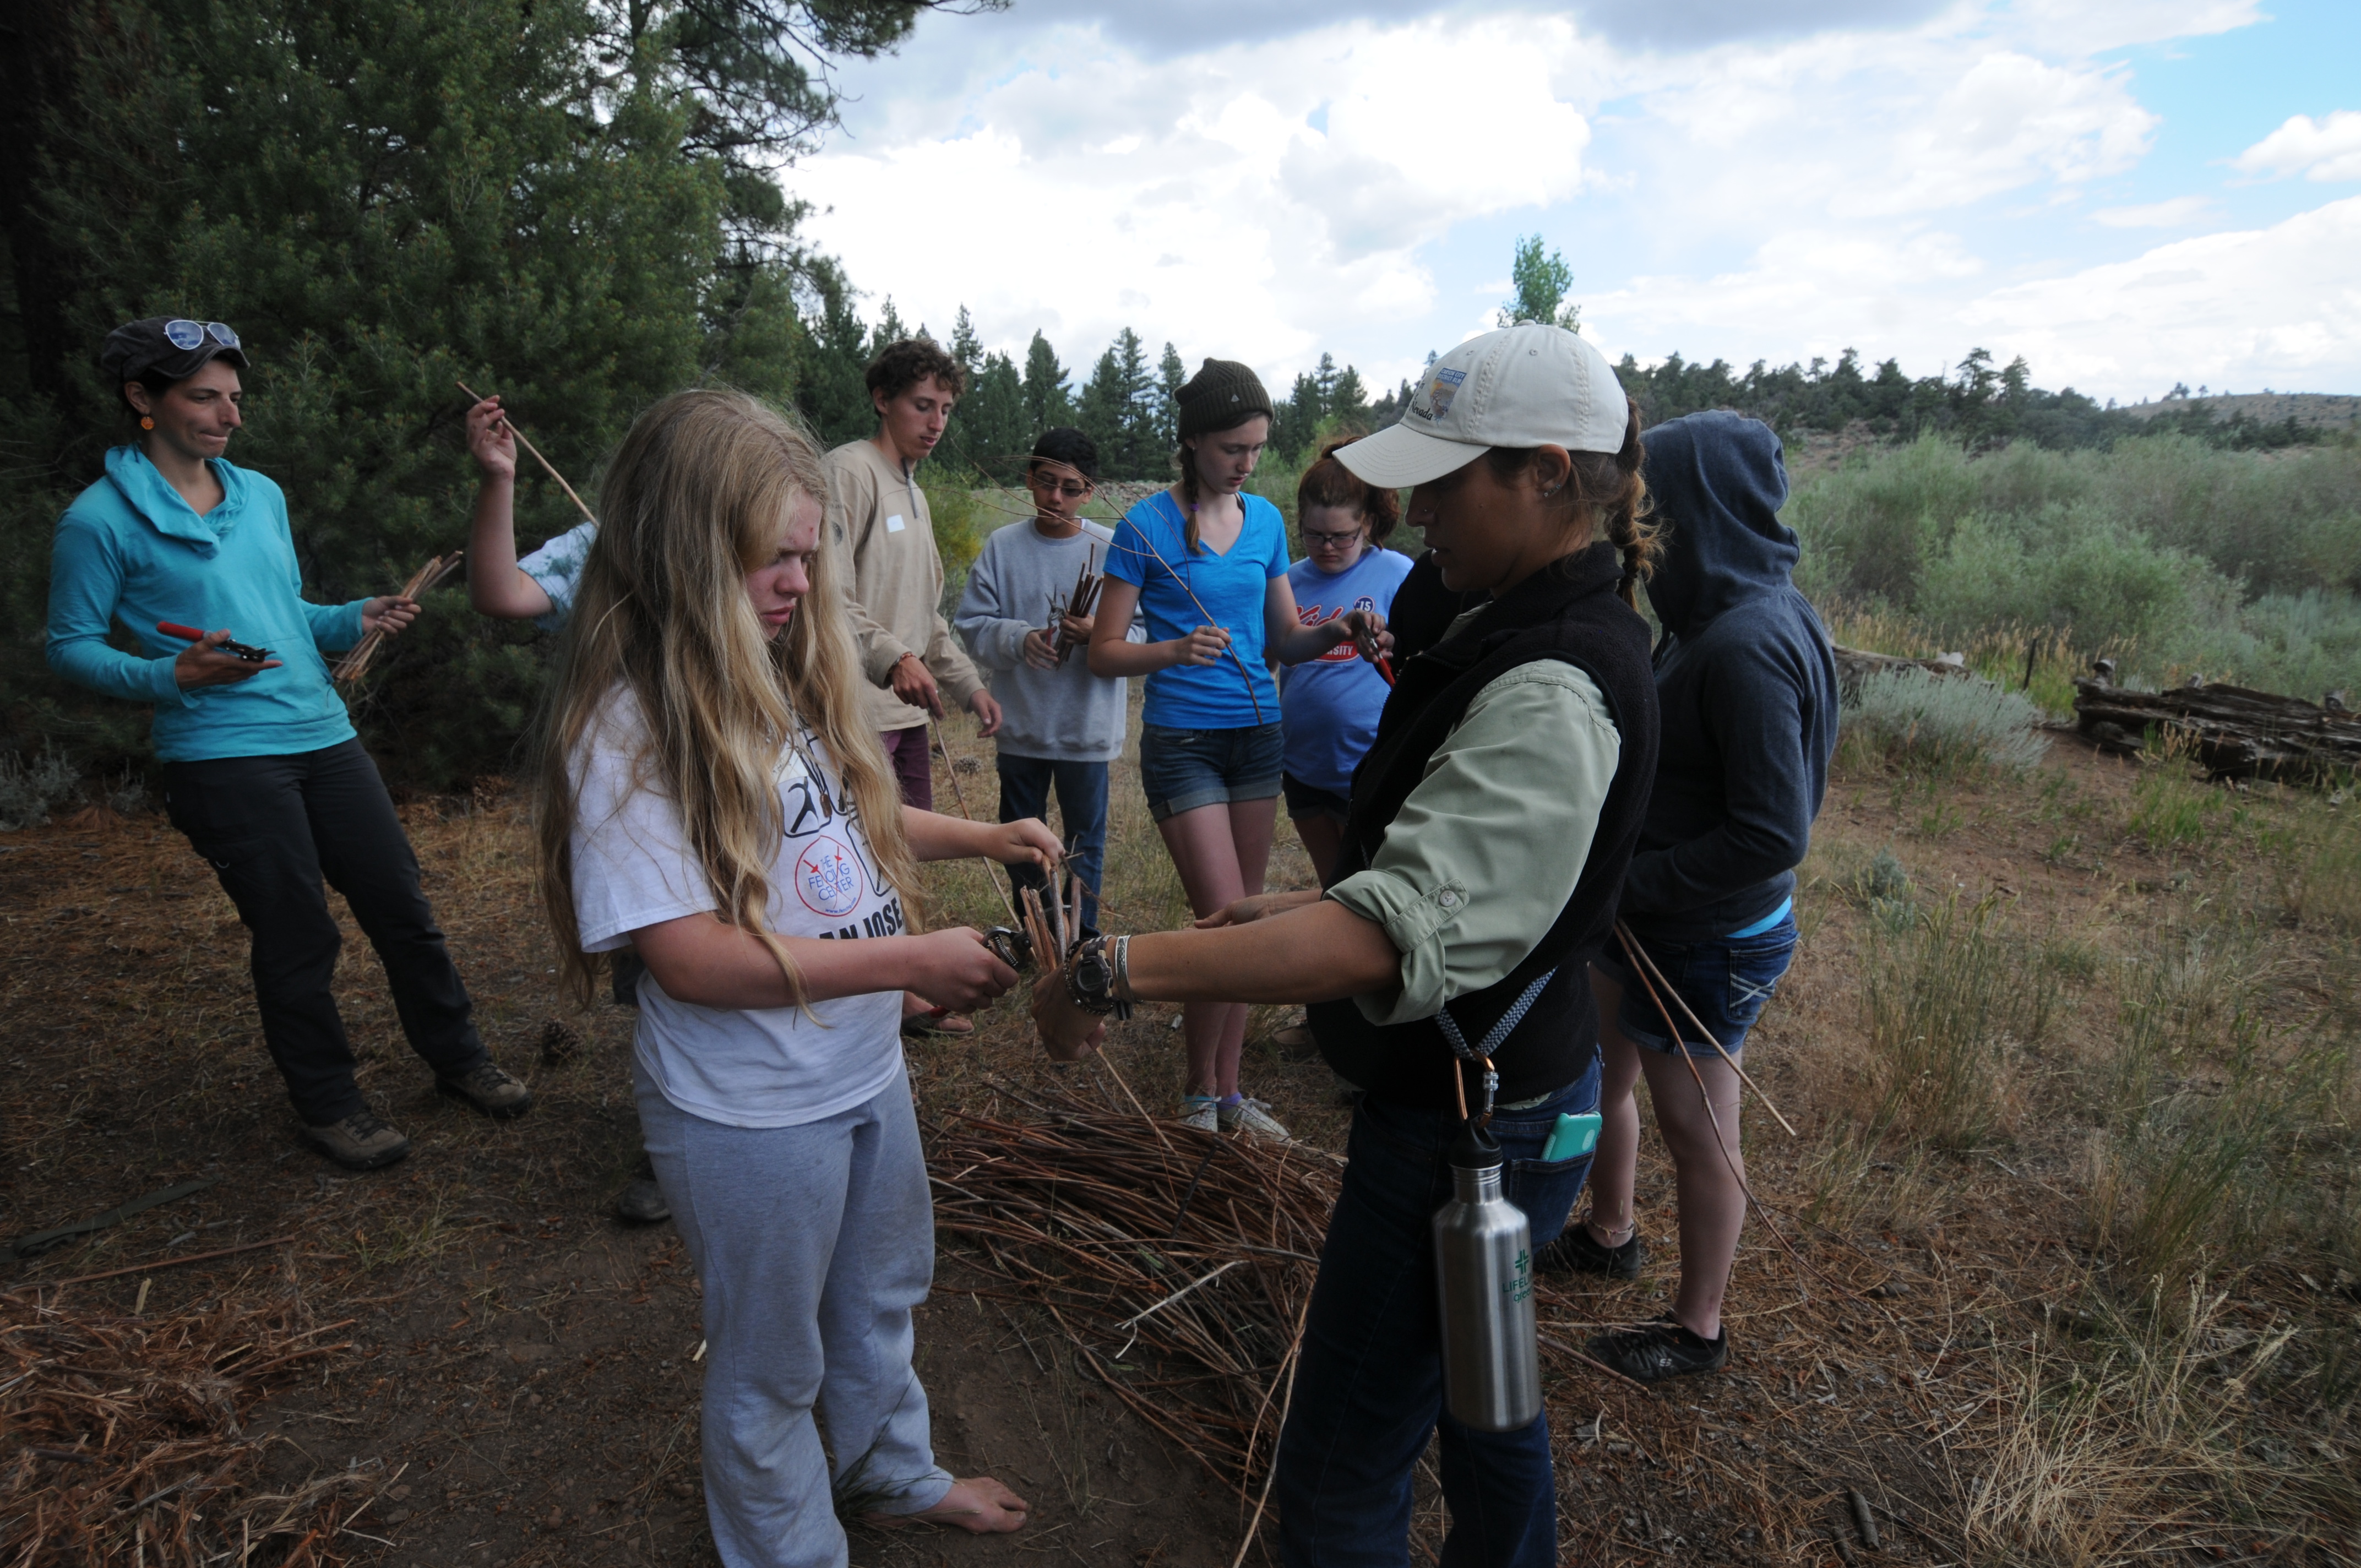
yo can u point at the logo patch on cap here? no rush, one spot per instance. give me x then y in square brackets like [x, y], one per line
[1439, 393]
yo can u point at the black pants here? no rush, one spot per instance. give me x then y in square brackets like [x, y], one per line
[273, 826]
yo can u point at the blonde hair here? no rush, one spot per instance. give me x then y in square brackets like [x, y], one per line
[694, 499]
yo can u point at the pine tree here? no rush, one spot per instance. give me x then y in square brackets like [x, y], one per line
[1117, 413]
[964, 346]
[1170, 377]
[1048, 400]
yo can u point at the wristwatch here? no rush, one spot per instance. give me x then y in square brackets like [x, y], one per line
[1096, 977]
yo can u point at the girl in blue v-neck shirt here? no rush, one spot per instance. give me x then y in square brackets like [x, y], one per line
[1206, 566]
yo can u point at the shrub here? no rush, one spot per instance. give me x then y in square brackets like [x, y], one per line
[1942, 724]
[30, 790]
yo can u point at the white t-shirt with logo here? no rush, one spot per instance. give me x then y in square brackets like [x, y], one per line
[773, 1066]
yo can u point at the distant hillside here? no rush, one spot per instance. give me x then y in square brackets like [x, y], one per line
[2324, 410]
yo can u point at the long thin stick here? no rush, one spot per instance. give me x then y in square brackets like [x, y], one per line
[1287, 1371]
[991, 872]
[161, 1263]
[1631, 946]
[547, 466]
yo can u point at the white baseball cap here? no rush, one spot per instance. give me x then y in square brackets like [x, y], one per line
[1521, 387]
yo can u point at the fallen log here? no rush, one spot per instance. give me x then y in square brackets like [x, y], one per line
[1852, 663]
[2235, 732]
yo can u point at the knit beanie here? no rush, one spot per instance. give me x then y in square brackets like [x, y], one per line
[1221, 395]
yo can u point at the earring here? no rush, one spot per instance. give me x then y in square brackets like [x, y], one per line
[147, 424]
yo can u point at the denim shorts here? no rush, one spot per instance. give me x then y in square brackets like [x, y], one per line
[1725, 982]
[1184, 769]
[1309, 800]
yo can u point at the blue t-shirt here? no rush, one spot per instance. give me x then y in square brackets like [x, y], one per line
[1332, 703]
[1232, 588]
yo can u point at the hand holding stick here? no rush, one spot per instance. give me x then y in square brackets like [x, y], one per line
[528, 446]
[355, 664]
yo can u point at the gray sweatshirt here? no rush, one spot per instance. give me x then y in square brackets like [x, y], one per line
[1066, 713]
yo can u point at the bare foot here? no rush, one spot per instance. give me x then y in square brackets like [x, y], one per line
[976, 1504]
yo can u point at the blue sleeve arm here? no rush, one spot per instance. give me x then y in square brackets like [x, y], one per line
[85, 580]
[1757, 708]
[335, 627]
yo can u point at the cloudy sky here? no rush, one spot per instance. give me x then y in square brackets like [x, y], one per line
[2127, 193]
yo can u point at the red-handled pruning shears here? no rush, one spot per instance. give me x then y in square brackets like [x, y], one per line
[1385, 668]
[252, 655]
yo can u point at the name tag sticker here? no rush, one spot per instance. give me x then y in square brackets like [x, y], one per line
[893, 524]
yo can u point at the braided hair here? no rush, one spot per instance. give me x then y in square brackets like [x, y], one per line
[1606, 496]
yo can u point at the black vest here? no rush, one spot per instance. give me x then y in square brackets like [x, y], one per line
[1569, 612]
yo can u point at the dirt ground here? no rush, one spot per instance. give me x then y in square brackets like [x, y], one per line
[521, 1384]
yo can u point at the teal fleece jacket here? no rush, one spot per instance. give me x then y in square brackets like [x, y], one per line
[130, 548]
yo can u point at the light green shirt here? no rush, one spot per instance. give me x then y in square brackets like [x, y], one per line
[1482, 857]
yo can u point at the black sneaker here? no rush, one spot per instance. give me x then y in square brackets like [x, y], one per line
[1577, 1251]
[1654, 1352]
[490, 1090]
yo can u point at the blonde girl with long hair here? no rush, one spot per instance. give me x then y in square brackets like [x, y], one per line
[712, 795]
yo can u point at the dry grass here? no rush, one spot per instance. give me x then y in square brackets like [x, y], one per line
[130, 1448]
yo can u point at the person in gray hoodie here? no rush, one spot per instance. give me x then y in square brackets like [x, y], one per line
[1747, 687]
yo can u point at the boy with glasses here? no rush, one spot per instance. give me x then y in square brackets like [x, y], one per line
[1060, 724]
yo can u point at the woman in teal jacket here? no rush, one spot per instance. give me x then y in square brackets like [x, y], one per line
[262, 770]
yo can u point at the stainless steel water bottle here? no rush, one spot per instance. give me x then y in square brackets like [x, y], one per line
[1484, 1267]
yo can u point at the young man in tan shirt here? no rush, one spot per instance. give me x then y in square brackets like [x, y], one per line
[879, 514]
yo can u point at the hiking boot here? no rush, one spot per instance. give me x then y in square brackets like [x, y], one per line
[490, 1090]
[1252, 1117]
[642, 1202]
[358, 1142]
[1577, 1251]
[1203, 1111]
[1666, 1348]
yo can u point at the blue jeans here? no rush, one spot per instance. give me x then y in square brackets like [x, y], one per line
[1182, 770]
[1025, 784]
[1369, 1388]
[1726, 981]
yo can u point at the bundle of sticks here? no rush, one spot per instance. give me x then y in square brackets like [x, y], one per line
[1177, 1262]
[433, 574]
[128, 1445]
[1079, 604]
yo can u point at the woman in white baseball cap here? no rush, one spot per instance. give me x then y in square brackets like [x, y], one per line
[1491, 821]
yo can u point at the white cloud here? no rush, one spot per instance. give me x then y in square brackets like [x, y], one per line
[2177, 212]
[2281, 305]
[1897, 180]
[2319, 150]
[1259, 206]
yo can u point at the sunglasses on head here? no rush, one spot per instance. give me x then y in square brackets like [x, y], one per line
[184, 333]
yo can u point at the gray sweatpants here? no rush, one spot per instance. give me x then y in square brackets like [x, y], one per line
[813, 1243]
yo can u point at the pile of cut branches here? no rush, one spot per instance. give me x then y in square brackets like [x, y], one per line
[126, 1441]
[1178, 1263]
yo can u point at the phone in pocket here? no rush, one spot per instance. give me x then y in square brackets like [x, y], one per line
[1572, 1137]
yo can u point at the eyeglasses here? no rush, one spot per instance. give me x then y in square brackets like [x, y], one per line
[1068, 489]
[1314, 540]
[183, 334]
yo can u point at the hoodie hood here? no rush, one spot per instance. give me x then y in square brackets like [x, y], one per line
[1718, 482]
[147, 492]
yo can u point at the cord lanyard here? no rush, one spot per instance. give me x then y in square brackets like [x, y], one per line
[1482, 1051]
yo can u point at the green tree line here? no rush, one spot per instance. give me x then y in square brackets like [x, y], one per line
[579, 204]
